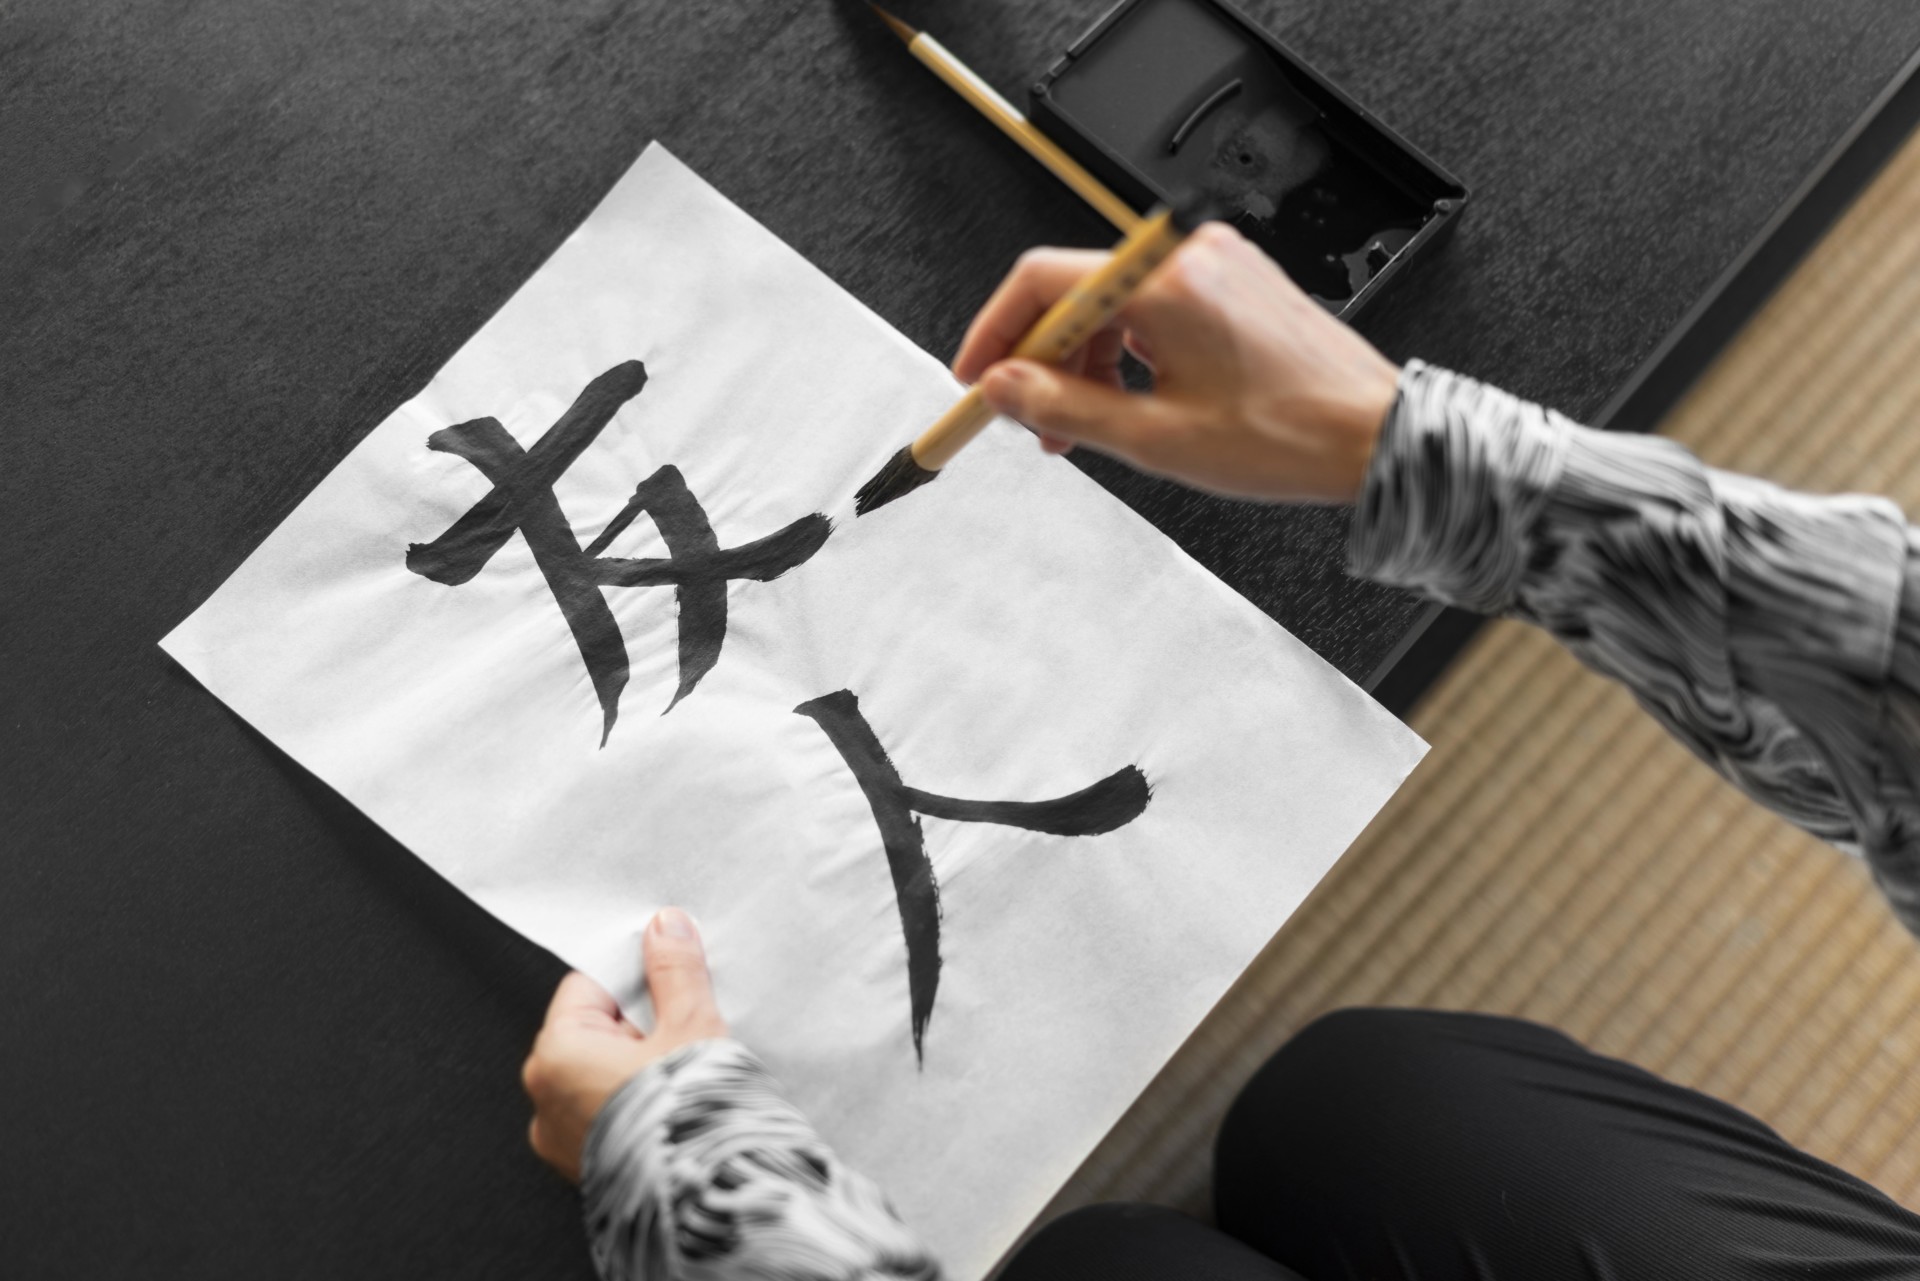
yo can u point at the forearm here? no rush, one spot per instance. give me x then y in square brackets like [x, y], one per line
[699, 1170]
[1761, 626]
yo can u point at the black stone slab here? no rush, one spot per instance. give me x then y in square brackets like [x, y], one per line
[246, 1034]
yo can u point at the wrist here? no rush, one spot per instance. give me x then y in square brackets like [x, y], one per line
[1353, 424]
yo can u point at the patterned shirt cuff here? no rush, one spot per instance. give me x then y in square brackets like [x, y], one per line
[698, 1169]
[1457, 479]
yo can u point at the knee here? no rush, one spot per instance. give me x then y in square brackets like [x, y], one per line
[1406, 1047]
[1313, 1072]
[1108, 1221]
[1338, 1038]
[1119, 1240]
[1330, 1113]
[1359, 1075]
[1320, 1061]
[1097, 1240]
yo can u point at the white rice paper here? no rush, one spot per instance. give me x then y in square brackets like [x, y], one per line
[1010, 632]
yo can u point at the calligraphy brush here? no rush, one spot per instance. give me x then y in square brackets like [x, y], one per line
[1085, 310]
[990, 104]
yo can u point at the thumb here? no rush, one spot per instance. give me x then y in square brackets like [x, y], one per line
[1064, 407]
[677, 971]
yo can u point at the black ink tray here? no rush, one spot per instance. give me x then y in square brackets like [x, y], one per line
[1166, 96]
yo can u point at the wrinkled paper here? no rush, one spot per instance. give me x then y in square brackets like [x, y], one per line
[1011, 632]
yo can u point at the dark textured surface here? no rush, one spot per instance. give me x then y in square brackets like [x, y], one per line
[245, 1033]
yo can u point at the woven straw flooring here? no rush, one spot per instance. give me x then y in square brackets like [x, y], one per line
[1557, 858]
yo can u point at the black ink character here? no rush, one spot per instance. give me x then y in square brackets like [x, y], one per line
[696, 566]
[1113, 802]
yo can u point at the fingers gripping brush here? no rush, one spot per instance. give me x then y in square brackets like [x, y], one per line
[1086, 309]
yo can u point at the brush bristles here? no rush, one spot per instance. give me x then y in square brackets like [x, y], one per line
[901, 476]
[900, 28]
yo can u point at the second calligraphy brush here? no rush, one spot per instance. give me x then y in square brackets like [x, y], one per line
[1086, 309]
[981, 96]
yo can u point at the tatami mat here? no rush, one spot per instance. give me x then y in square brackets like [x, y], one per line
[1558, 858]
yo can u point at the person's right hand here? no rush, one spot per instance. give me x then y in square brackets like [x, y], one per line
[1258, 392]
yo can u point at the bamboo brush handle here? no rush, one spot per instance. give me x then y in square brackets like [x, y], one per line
[1086, 309]
[1016, 126]
[939, 443]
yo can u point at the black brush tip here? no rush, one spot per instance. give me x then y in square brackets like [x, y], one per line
[900, 28]
[901, 476]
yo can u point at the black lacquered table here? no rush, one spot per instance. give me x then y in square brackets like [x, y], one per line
[246, 1033]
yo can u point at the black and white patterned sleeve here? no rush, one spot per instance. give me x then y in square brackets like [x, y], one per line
[1772, 632]
[698, 1169]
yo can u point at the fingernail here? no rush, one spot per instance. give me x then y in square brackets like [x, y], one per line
[673, 923]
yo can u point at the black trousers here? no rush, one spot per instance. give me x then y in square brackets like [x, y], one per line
[1411, 1145]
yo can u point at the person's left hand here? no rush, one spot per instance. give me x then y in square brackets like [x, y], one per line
[587, 1050]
